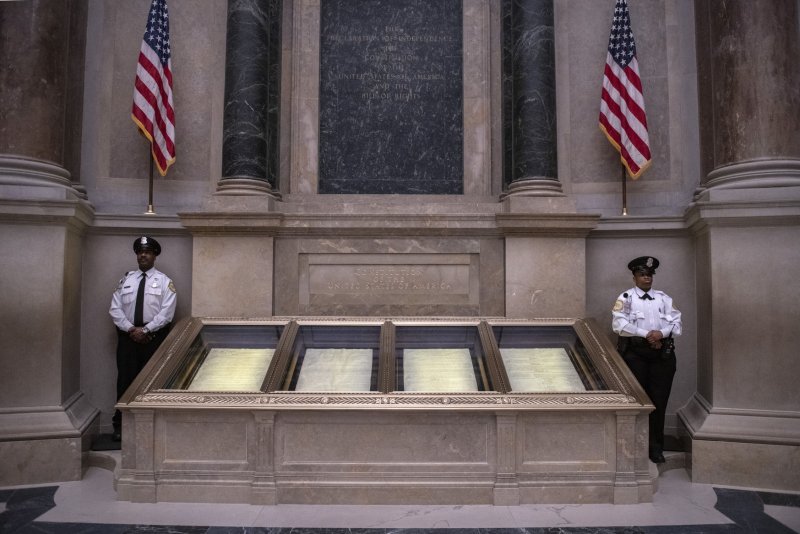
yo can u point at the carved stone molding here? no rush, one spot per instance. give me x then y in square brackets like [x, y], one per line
[400, 400]
[762, 174]
[23, 177]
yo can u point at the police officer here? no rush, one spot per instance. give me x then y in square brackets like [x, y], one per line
[142, 308]
[647, 323]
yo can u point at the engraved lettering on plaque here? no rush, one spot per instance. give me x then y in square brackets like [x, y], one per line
[335, 370]
[391, 97]
[439, 370]
[533, 370]
[226, 369]
[390, 279]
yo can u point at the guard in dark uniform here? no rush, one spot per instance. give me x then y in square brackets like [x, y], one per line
[142, 308]
[647, 323]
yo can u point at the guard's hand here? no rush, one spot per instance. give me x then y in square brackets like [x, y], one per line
[655, 336]
[138, 335]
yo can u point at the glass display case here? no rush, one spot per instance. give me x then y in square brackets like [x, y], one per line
[227, 358]
[385, 410]
[546, 359]
[330, 358]
[306, 355]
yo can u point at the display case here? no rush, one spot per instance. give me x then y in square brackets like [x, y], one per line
[466, 357]
[385, 410]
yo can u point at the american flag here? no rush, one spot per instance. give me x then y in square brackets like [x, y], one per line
[622, 115]
[152, 97]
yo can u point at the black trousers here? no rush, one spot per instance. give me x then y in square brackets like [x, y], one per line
[655, 372]
[131, 359]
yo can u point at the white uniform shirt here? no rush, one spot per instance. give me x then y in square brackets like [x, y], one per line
[160, 300]
[634, 316]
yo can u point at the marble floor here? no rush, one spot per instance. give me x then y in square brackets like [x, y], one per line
[679, 506]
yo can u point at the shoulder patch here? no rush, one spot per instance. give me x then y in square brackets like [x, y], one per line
[121, 281]
[172, 287]
[618, 305]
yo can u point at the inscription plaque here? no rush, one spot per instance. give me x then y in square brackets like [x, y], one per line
[401, 283]
[390, 279]
[391, 97]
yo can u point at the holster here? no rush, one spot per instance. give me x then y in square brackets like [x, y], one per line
[622, 344]
[668, 347]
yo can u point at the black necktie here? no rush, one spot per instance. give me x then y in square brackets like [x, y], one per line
[138, 312]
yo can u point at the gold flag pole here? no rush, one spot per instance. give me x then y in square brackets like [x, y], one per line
[150, 210]
[624, 192]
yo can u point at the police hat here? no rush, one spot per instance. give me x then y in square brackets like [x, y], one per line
[146, 242]
[647, 264]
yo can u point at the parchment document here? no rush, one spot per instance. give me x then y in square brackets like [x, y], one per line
[438, 370]
[232, 370]
[541, 370]
[335, 370]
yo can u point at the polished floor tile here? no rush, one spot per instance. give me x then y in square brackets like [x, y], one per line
[680, 506]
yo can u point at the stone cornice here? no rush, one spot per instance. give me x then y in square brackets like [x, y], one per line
[635, 226]
[232, 223]
[702, 215]
[78, 214]
[546, 225]
[387, 225]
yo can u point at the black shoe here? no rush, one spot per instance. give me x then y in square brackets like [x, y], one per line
[117, 435]
[657, 457]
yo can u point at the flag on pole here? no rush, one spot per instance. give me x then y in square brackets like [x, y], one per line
[152, 110]
[622, 115]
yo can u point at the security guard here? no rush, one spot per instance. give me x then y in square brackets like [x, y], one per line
[647, 323]
[142, 308]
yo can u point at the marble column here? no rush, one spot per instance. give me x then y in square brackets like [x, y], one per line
[545, 239]
[744, 419]
[749, 87]
[529, 93]
[45, 418]
[41, 87]
[252, 82]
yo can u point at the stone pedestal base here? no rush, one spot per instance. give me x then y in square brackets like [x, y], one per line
[753, 465]
[744, 420]
[45, 444]
[434, 456]
[743, 447]
[44, 416]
